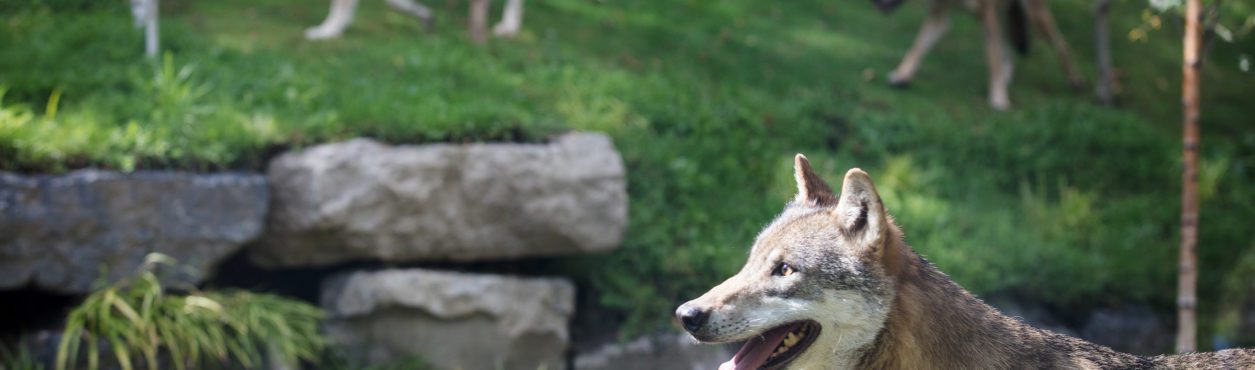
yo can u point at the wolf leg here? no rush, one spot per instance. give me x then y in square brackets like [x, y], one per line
[145, 13]
[151, 33]
[413, 8]
[479, 21]
[995, 56]
[1044, 22]
[935, 26]
[339, 18]
[511, 19]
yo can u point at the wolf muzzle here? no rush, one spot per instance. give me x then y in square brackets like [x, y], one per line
[692, 317]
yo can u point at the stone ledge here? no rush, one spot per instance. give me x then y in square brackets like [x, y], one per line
[60, 231]
[451, 320]
[654, 352]
[364, 201]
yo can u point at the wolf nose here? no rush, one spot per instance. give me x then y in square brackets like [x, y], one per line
[692, 317]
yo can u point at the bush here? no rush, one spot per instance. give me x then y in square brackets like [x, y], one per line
[143, 324]
[18, 359]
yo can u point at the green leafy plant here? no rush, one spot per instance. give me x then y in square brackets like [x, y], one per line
[18, 358]
[144, 326]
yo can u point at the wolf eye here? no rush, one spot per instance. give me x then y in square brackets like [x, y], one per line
[783, 269]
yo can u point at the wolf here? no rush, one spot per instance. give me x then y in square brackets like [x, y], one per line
[341, 15]
[997, 57]
[832, 284]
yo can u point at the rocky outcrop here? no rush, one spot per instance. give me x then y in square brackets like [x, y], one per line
[1245, 335]
[1034, 314]
[1134, 329]
[657, 352]
[450, 320]
[362, 200]
[61, 232]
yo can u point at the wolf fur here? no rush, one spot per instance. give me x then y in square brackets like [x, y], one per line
[997, 58]
[879, 304]
[342, 11]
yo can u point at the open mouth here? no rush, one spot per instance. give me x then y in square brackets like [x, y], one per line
[774, 348]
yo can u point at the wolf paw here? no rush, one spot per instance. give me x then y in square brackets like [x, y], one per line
[322, 33]
[898, 81]
[1001, 104]
[505, 29]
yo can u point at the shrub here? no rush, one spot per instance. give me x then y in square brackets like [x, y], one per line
[143, 324]
[18, 359]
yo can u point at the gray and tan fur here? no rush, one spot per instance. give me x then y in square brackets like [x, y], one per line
[880, 305]
[342, 11]
[997, 57]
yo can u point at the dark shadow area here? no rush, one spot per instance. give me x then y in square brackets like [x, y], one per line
[28, 309]
[304, 283]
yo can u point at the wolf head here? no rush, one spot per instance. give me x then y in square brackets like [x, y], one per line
[813, 287]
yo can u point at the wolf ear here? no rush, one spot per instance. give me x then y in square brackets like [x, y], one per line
[811, 189]
[860, 213]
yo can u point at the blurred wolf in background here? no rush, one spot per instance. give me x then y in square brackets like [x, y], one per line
[831, 284]
[342, 11]
[996, 56]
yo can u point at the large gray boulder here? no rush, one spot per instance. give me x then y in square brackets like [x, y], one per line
[362, 200]
[60, 232]
[450, 320]
[655, 352]
[1134, 329]
[1032, 313]
[1245, 310]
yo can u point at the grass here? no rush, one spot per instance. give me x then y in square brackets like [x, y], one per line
[145, 326]
[18, 358]
[1059, 200]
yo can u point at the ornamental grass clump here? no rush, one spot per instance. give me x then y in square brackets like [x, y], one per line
[140, 324]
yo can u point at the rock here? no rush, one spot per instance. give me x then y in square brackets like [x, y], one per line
[1033, 314]
[660, 352]
[1235, 323]
[61, 232]
[1133, 329]
[1245, 336]
[361, 200]
[450, 320]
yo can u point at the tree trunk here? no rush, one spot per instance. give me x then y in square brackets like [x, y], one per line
[1188, 274]
[1103, 43]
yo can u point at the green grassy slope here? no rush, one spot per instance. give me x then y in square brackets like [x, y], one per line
[1058, 200]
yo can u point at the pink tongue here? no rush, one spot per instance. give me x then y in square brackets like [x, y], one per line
[756, 350]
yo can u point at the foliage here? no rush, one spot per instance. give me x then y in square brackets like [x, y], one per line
[18, 359]
[706, 100]
[140, 324]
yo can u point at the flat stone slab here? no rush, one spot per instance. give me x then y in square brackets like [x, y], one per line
[450, 320]
[362, 200]
[59, 233]
[655, 352]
